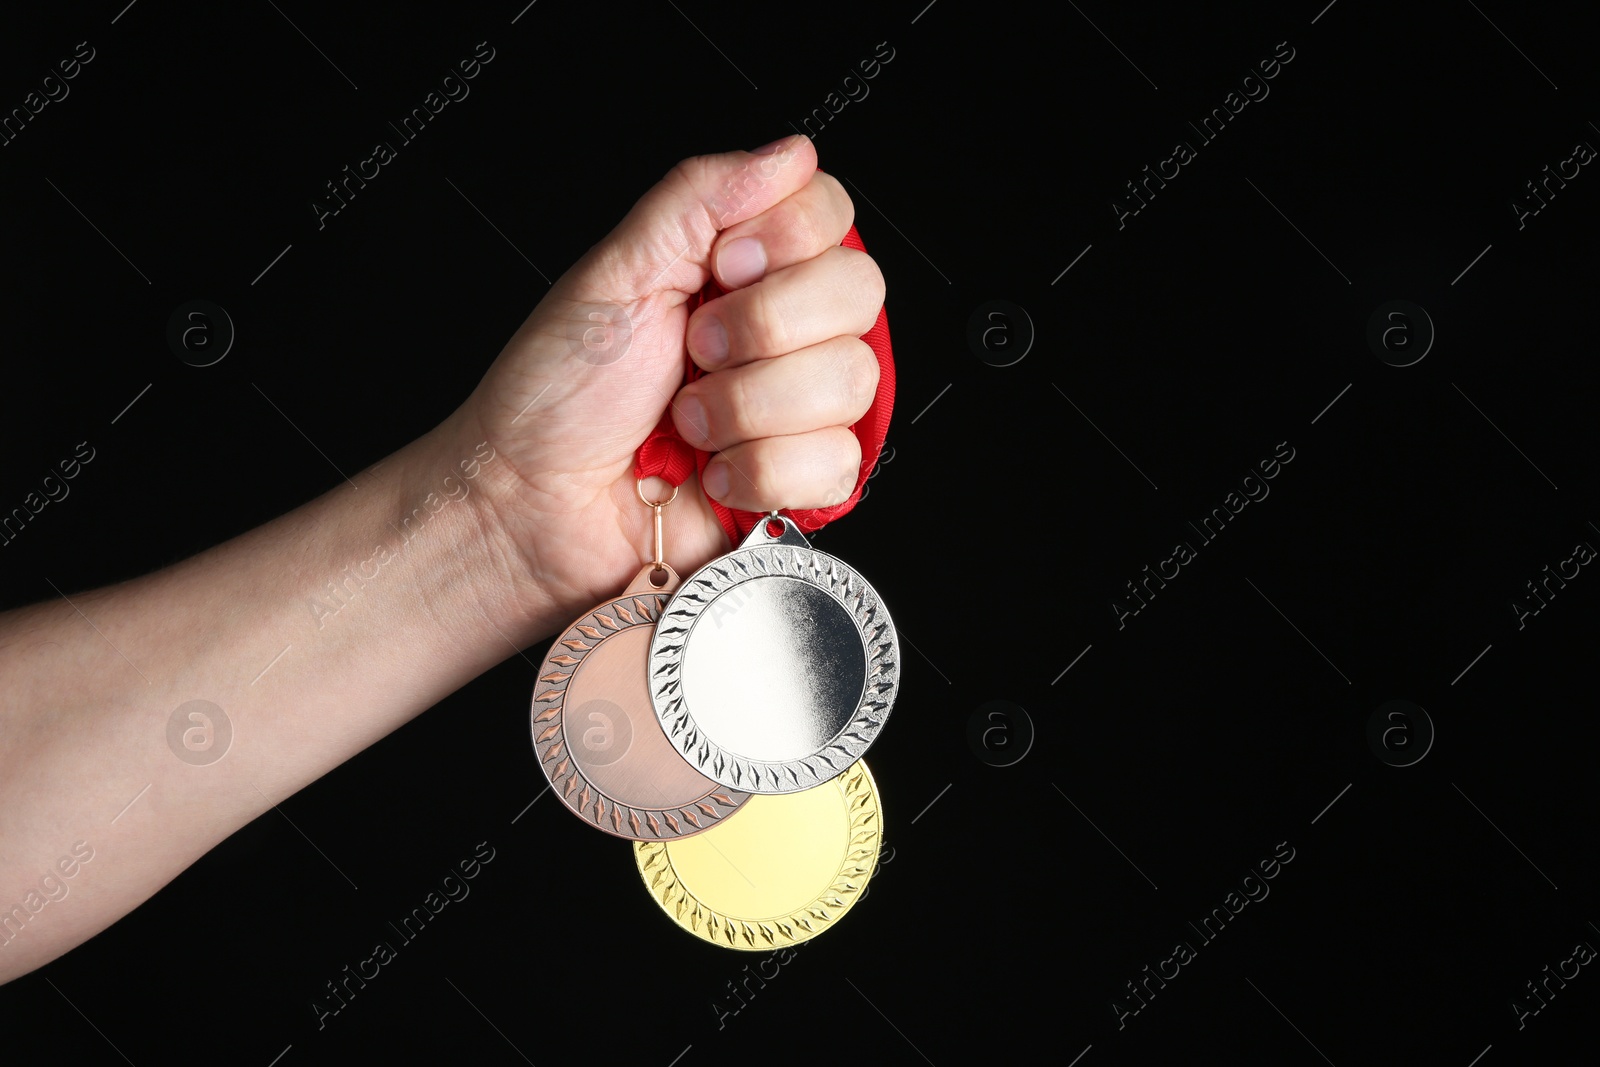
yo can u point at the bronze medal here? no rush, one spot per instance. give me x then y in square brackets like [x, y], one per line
[596, 734]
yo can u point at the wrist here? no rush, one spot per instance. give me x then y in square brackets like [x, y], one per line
[464, 464]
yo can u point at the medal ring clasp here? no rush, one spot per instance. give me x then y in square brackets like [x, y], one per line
[638, 487]
[658, 575]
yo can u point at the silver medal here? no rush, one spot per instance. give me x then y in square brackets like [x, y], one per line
[773, 668]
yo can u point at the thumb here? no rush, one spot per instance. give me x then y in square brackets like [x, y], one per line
[664, 243]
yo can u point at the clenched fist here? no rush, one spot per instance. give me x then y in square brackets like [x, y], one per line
[590, 373]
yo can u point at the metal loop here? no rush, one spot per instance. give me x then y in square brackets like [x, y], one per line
[638, 487]
[658, 558]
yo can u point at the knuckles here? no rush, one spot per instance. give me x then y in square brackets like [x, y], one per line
[747, 406]
[865, 283]
[764, 322]
[810, 224]
[774, 473]
[849, 470]
[859, 370]
[745, 411]
[840, 195]
[771, 322]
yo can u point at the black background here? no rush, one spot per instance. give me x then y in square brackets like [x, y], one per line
[1178, 750]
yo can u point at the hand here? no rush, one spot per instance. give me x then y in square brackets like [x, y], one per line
[367, 620]
[589, 374]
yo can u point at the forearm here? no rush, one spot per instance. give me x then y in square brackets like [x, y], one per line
[315, 635]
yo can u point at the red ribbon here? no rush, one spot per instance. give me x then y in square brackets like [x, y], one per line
[669, 456]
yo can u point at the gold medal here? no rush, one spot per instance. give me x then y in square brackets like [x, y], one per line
[782, 870]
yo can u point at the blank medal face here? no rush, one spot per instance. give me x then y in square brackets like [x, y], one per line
[774, 667]
[596, 734]
[787, 868]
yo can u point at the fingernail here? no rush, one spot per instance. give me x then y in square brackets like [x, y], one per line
[715, 480]
[708, 342]
[694, 413]
[741, 262]
[768, 149]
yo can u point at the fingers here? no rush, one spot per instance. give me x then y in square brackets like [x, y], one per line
[829, 384]
[796, 229]
[834, 294]
[801, 471]
[666, 240]
[779, 426]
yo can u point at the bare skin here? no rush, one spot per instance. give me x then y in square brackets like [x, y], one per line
[489, 532]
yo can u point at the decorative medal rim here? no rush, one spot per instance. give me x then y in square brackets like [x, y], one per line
[881, 644]
[547, 724]
[683, 907]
